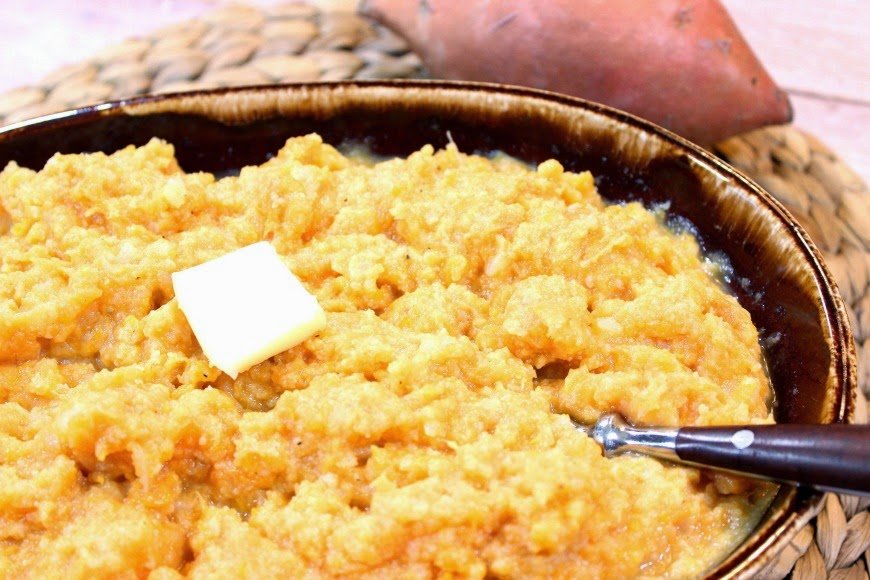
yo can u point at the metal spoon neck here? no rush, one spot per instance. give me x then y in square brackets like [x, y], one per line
[617, 437]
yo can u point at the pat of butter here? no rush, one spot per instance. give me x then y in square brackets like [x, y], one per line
[245, 307]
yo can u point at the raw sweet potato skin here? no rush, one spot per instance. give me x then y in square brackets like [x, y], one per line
[679, 63]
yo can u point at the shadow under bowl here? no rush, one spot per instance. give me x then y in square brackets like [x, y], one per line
[778, 274]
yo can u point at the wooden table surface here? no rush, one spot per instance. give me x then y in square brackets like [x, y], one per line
[818, 51]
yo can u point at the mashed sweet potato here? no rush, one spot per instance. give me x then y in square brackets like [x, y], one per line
[471, 303]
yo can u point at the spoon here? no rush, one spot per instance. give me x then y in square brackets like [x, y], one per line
[826, 457]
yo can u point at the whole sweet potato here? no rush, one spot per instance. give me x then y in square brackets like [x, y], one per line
[680, 63]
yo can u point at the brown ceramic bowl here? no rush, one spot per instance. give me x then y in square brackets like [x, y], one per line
[778, 277]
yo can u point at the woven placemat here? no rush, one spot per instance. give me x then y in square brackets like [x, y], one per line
[327, 40]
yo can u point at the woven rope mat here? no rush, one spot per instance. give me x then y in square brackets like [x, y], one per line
[326, 40]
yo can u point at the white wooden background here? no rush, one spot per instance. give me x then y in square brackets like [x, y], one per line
[818, 50]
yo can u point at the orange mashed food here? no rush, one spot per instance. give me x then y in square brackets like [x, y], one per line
[471, 303]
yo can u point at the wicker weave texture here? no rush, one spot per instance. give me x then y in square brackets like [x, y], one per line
[327, 40]
[233, 46]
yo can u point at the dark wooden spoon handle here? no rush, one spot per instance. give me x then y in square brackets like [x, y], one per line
[830, 457]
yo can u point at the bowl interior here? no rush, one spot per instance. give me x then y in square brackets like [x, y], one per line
[777, 273]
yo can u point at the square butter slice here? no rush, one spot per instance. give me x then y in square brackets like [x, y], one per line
[245, 307]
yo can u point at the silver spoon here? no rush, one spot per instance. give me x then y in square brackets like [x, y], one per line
[826, 457]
